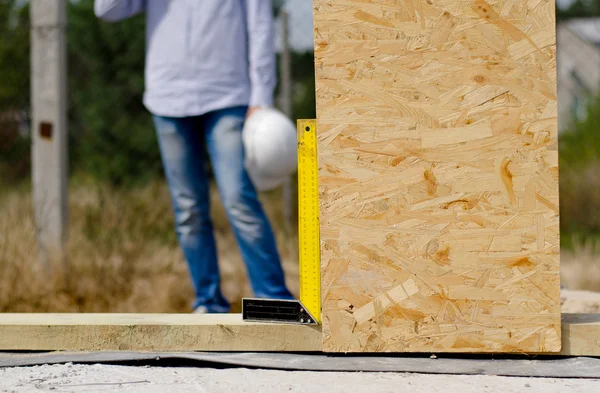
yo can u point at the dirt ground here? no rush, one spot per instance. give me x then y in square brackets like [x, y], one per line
[585, 302]
[104, 378]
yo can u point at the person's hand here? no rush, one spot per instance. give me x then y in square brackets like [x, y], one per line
[251, 110]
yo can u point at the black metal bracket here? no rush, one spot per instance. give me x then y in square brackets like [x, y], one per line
[276, 311]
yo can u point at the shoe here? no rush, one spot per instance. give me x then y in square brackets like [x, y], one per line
[200, 310]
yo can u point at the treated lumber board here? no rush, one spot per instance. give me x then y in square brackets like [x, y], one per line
[223, 333]
[580, 335]
[152, 332]
[438, 175]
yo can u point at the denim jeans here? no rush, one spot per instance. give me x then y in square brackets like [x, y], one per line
[183, 142]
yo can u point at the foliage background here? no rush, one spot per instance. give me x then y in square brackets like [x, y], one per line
[122, 254]
[111, 134]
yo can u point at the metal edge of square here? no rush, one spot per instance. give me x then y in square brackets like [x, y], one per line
[310, 320]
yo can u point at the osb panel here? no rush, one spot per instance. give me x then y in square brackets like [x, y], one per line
[438, 174]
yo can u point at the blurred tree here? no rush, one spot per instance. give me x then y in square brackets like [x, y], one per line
[112, 136]
[303, 85]
[580, 145]
[579, 9]
[14, 56]
[14, 91]
[580, 159]
[303, 74]
[580, 178]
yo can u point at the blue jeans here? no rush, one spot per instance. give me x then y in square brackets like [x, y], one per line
[182, 143]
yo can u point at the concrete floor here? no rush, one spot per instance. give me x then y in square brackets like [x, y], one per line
[108, 378]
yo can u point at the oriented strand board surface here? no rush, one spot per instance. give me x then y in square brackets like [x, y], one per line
[152, 332]
[438, 174]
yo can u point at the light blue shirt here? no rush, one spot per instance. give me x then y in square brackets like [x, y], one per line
[203, 55]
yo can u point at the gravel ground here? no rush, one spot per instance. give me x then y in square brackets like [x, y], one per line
[105, 378]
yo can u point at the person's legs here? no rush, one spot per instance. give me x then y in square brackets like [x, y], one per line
[181, 142]
[251, 227]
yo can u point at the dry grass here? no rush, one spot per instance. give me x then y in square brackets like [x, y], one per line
[580, 269]
[122, 255]
[580, 219]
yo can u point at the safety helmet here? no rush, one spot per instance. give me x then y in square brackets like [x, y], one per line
[271, 148]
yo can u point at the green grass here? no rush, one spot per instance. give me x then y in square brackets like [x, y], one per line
[579, 152]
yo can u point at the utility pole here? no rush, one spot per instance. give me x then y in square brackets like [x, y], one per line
[49, 123]
[286, 107]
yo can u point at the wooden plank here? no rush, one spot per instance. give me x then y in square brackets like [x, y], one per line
[438, 175]
[152, 332]
[581, 335]
[190, 332]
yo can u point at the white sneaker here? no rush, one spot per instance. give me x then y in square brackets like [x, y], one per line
[200, 310]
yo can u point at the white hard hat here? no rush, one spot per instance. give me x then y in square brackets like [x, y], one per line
[271, 148]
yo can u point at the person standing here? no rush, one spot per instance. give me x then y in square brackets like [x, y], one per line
[209, 64]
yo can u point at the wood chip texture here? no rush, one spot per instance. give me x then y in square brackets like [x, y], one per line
[438, 171]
